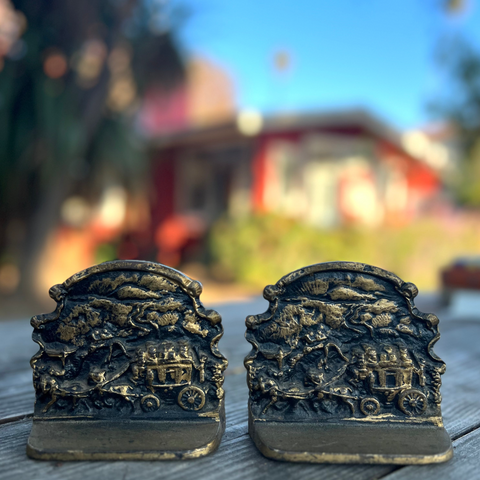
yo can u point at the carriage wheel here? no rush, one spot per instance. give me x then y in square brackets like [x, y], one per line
[150, 403]
[412, 402]
[370, 406]
[191, 398]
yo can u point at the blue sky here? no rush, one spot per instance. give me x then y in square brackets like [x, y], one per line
[344, 53]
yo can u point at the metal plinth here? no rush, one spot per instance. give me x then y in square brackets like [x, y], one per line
[340, 443]
[123, 440]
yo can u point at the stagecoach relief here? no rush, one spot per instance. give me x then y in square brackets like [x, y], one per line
[341, 350]
[169, 368]
[131, 357]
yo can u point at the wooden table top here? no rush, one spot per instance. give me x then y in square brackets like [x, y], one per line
[237, 457]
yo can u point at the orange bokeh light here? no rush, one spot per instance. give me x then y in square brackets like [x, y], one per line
[55, 65]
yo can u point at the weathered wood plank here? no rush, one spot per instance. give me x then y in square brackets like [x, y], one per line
[16, 395]
[237, 457]
[16, 346]
[460, 349]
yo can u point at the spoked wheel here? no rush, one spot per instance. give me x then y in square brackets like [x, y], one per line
[191, 398]
[150, 403]
[412, 402]
[370, 406]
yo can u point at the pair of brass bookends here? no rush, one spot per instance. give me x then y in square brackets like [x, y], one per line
[341, 370]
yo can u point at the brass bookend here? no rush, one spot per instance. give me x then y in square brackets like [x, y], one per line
[128, 368]
[342, 370]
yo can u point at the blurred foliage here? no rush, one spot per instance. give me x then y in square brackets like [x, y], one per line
[459, 102]
[259, 250]
[72, 76]
[105, 252]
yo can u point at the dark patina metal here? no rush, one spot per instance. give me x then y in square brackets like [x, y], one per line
[342, 370]
[128, 367]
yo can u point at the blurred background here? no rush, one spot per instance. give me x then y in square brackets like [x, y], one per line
[237, 140]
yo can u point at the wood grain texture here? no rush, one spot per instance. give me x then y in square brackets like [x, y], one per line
[16, 395]
[460, 348]
[237, 457]
[16, 346]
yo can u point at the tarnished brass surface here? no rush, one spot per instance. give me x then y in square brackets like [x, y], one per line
[342, 370]
[303, 442]
[128, 367]
[123, 439]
